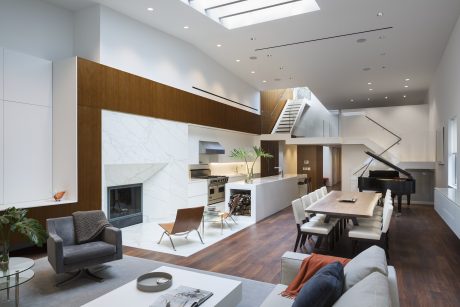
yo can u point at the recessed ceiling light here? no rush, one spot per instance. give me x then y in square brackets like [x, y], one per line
[368, 99]
[361, 40]
[269, 55]
[219, 45]
[253, 57]
[382, 37]
[371, 89]
[238, 60]
[150, 9]
[291, 78]
[186, 27]
[366, 68]
[386, 97]
[277, 79]
[407, 79]
[383, 67]
[352, 100]
[253, 72]
[281, 67]
[264, 81]
[406, 86]
[253, 38]
[380, 14]
[370, 83]
[404, 96]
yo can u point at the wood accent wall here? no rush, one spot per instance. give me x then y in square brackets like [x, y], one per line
[269, 110]
[102, 87]
[313, 155]
[267, 165]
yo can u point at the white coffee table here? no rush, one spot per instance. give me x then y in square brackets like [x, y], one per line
[227, 292]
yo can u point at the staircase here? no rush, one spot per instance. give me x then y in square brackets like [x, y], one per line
[289, 116]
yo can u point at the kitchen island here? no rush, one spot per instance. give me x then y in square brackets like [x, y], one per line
[268, 194]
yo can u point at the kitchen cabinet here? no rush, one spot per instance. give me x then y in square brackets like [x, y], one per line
[197, 193]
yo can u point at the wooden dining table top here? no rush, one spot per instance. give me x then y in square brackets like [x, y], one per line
[331, 204]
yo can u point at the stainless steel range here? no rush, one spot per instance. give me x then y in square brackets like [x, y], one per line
[216, 184]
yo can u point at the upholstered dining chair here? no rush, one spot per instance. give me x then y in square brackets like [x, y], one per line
[187, 220]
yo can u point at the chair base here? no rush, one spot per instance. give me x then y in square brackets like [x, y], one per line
[83, 273]
[177, 234]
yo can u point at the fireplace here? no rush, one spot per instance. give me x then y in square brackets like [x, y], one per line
[124, 205]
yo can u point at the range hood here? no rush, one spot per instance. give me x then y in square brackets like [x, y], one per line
[211, 148]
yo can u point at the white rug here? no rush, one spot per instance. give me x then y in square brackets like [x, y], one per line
[147, 234]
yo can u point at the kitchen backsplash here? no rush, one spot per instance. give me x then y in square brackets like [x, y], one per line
[232, 168]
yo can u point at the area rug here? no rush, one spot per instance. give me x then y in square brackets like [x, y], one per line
[147, 234]
[41, 292]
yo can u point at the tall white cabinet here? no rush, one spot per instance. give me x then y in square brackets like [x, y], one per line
[26, 131]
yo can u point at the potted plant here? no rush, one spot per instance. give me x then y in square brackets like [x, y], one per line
[15, 220]
[248, 156]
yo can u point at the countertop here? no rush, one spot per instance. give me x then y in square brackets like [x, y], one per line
[264, 180]
[451, 193]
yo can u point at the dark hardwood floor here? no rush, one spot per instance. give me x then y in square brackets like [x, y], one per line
[425, 252]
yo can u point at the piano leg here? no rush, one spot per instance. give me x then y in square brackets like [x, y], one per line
[408, 199]
[399, 203]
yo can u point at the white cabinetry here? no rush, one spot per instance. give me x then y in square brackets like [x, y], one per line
[25, 129]
[197, 193]
[447, 205]
[27, 152]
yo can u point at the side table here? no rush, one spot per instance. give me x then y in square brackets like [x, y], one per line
[18, 273]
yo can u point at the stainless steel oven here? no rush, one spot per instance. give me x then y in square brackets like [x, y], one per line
[216, 184]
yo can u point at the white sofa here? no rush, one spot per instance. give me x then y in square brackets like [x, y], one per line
[378, 289]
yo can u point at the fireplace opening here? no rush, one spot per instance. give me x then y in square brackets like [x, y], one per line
[124, 205]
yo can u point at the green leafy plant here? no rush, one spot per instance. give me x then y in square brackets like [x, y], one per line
[15, 220]
[248, 156]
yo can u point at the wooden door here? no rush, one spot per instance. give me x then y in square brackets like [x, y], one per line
[267, 165]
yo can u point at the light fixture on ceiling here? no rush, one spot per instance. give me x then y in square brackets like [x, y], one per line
[379, 14]
[238, 60]
[382, 36]
[291, 78]
[404, 96]
[361, 40]
[219, 45]
[186, 27]
[383, 53]
[150, 9]
[369, 83]
[277, 79]
[366, 68]
[352, 100]
[371, 89]
[281, 67]
[253, 38]
[253, 72]
[383, 67]
[235, 14]
[406, 86]
[407, 79]
[368, 99]
[264, 81]
[269, 55]
[386, 97]
[253, 57]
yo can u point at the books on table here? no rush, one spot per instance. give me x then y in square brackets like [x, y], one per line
[182, 296]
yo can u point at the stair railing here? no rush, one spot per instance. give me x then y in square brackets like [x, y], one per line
[398, 140]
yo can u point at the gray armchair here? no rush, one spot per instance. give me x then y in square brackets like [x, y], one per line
[66, 256]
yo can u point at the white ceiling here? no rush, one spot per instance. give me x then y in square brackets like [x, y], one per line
[332, 68]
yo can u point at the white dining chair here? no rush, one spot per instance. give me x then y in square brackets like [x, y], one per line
[324, 190]
[305, 228]
[369, 233]
[319, 194]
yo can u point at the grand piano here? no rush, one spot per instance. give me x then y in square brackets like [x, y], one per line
[381, 180]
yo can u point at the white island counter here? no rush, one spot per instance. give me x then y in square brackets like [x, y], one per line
[268, 195]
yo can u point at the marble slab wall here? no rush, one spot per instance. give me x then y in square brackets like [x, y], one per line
[131, 139]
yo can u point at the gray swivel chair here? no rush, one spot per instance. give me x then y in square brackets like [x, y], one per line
[66, 256]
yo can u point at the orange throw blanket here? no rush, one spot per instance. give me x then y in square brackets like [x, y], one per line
[309, 267]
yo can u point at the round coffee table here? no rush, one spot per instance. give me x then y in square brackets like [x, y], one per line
[18, 273]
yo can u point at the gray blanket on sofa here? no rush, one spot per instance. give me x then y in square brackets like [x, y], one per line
[89, 224]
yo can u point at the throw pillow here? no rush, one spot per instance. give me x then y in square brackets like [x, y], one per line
[373, 290]
[371, 260]
[308, 268]
[323, 289]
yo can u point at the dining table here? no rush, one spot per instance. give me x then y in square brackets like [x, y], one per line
[343, 204]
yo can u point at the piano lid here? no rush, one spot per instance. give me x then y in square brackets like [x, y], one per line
[373, 155]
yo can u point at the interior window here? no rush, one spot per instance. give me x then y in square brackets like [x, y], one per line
[452, 159]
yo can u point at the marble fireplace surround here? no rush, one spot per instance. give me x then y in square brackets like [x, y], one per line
[151, 151]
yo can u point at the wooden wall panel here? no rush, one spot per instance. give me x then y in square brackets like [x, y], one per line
[267, 165]
[314, 155]
[270, 109]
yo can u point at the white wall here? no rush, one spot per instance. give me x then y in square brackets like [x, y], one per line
[409, 122]
[444, 97]
[134, 47]
[132, 139]
[87, 33]
[224, 164]
[316, 121]
[36, 28]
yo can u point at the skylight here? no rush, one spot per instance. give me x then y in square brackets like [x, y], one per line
[240, 13]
